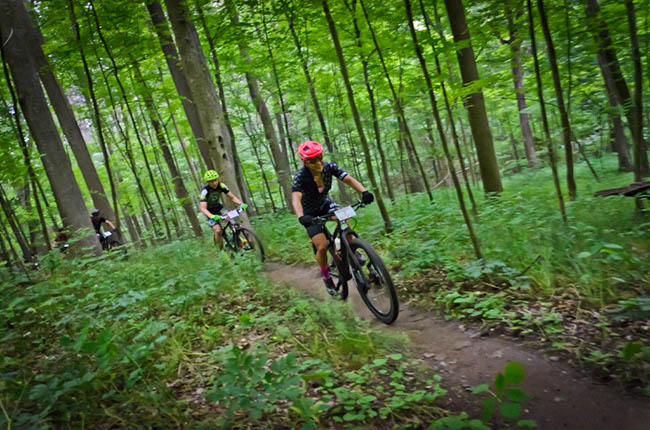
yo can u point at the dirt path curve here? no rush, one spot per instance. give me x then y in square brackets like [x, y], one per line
[563, 398]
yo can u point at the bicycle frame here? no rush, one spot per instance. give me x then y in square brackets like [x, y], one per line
[342, 234]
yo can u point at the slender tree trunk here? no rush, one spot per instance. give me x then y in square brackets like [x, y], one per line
[357, 119]
[18, 131]
[14, 224]
[312, 90]
[205, 96]
[540, 95]
[443, 138]
[69, 124]
[640, 152]
[452, 123]
[399, 106]
[559, 96]
[514, 43]
[474, 102]
[600, 31]
[179, 186]
[222, 97]
[98, 123]
[619, 143]
[280, 157]
[190, 164]
[261, 167]
[43, 130]
[178, 76]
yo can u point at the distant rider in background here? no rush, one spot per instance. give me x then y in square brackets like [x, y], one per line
[211, 205]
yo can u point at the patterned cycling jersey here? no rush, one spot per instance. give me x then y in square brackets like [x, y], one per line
[212, 196]
[313, 200]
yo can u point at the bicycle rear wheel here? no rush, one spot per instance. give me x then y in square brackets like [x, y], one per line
[373, 281]
[247, 241]
[338, 270]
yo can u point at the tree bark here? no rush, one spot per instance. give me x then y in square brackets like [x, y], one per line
[222, 97]
[619, 143]
[68, 122]
[279, 156]
[540, 95]
[179, 186]
[606, 49]
[41, 124]
[388, 227]
[441, 133]
[640, 153]
[559, 96]
[204, 93]
[474, 102]
[178, 76]
[514, 43]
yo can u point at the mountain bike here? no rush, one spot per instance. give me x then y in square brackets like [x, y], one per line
[238, 239]
[110, 240]
[355, 259]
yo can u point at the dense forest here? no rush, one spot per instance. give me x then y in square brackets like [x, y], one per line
[505, 142]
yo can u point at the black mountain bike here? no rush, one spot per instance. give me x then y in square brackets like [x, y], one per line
[355, 259]
[240, 239]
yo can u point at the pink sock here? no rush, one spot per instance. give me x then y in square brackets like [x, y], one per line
[325, 271]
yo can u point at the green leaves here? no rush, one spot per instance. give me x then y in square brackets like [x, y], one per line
[507, 395]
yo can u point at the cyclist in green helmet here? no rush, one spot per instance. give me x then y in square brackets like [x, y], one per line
[211, 205]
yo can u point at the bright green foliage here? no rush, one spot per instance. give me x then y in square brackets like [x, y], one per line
[181, 336]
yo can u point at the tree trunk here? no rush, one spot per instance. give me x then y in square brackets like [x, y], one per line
[619, 143]
[540, 95]
[68, 122]
[357, 119]
[179, 186]
[178, 76]
[640, 152]
[452, 123]
[14, 224]
[600, 32]
[44, 132]
[559, 96]
[474, 102]
[204, 93]
[514, 43]
[441, 133]
[222, 97]
[280, 157]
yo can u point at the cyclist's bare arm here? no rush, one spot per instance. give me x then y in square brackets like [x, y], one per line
[354, 184]
[296, 202]
[110, 224]
[204, 209]
[234, 199]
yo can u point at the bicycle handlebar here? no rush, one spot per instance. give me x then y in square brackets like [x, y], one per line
[330, 214]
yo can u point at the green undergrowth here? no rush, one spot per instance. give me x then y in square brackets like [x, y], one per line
[178, 336]
[581, 288]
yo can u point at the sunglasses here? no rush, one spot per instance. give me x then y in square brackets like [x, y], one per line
[314, 160]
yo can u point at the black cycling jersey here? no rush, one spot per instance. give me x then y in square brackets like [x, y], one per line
[212, 196]
[313, 201]
[97, 223]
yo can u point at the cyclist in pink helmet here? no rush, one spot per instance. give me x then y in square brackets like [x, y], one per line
[310, 198]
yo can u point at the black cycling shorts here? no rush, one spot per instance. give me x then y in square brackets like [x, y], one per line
[315, 229]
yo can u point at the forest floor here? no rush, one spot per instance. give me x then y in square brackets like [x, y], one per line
[465, 357]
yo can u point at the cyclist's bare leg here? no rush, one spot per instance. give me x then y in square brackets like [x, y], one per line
[217, 236]
[320, 242]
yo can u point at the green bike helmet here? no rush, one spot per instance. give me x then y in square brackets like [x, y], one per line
[210, 175]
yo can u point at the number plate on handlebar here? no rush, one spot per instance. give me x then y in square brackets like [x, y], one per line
[233, 214]
[345, 213]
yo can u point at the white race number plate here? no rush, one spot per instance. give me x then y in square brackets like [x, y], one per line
[233, 214]
[345, 213]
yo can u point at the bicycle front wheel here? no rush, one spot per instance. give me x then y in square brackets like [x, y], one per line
[246, 240]
[373, 281]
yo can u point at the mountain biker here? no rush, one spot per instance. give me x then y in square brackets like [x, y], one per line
[97, 224]
[211, 205]
[310, 198]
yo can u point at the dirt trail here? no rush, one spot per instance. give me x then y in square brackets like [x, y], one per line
[563, 398]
